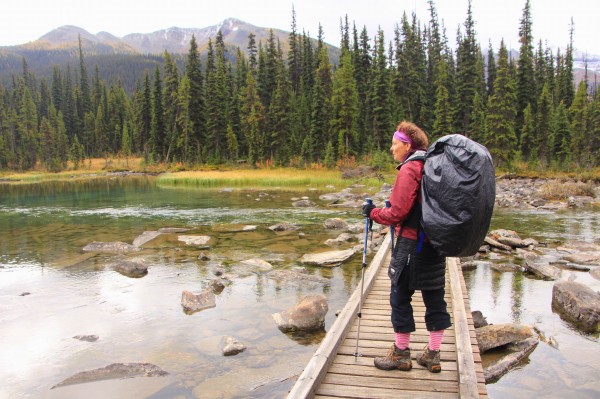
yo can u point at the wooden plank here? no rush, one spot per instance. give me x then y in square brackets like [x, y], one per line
[315, 371]
[343, 391]
[391, 383]
[466, 367]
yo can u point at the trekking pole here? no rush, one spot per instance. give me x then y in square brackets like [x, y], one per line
[392, 227]
[362, 279]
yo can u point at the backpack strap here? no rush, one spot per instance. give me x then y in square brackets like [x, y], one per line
[419, 155]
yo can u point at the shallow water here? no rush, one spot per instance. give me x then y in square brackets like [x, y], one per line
[45, 226]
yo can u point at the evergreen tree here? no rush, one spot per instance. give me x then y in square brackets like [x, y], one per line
[380, 100]
[542, 135]
[76, 153]
[27, 133]
[561, 135]
[196, 107]
[527, 137]
[502, 113]
[252, 119]
[170, 103]
[594, 129]
[232, 143]
[491, 70]
[294, 56]
[578, 115]
[84, 85]
[155, 144]
[345, 105]
[443, 123]
[101, 134]
[478, 130]
[182, 140]
[126, 144]
[526, 92]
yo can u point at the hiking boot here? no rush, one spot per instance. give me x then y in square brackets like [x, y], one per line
[395, 359]
[430, 359]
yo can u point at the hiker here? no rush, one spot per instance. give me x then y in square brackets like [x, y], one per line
[415, 264]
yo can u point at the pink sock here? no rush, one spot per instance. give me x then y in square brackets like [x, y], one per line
[402, 340]
[435, 339]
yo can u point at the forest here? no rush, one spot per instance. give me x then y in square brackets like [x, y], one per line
[260, 107]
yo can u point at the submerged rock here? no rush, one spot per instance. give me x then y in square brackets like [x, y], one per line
[145, 237]
[329, 258]
[495, 335]
[171, 230]
[231, 346]
[503, 365]
[87, 338]
[303, 203]
[130, 269]
[543, 270]
[296, 276]
[114, 371]
[200, 241]
[578, 303]
[283, 227]
[307, 315]
[117, 246]
[193, 302]
[258, 265]
[478, 319]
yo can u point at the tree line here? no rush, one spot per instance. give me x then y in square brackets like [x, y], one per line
[259, 106]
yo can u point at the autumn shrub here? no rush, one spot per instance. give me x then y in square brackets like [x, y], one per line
[559, 190]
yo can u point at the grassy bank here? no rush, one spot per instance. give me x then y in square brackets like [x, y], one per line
[284, 178]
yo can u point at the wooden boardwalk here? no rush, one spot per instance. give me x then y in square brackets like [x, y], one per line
[335, 372]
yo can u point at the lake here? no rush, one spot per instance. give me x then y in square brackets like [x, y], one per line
[51, 291]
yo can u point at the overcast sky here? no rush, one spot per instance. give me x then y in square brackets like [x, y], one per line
[22, 21]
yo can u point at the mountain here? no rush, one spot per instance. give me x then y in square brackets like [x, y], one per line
[126, 58]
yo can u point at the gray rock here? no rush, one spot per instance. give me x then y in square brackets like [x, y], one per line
[145, 237]
[543, 270]
[578, 303]
[478, 319]
[494, 243]
[303, 203]
[296, 276]
[258, 265]
[114, 371]
[341, 239]
[117, 246]
[231, 346]
[193, 302]
[217, 285]
[495, 335]
[329, 259]
[498, 368]
[199, 241]
[203, 257]
[25, 293]
[130, 269]
[307, 315]
[87, 338]
[283, 227]
[573, 266]
[335, 223]
[506, 267]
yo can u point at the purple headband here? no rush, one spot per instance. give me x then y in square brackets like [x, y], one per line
[400, 135]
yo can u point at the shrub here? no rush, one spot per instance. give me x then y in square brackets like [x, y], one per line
[562, 190]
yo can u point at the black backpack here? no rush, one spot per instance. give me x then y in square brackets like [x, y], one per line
[458, 191]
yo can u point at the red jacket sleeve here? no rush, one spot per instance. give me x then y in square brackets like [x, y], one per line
[405, 192]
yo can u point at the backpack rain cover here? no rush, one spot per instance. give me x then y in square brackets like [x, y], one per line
[458, 191]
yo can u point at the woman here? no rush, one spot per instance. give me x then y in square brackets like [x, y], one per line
[415, 264]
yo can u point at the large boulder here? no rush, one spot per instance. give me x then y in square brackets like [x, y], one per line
[329, 258]
[578, 303]
[307, 315]
[114, 371]
[193, 302]
[258, 265]
[542, 270]
[495, 335]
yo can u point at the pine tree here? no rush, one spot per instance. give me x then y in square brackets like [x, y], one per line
[126, 144]
[101, 135]
[232, 143]
[594, 129]
[252, 119]
[197, 107]
[379, 98]
[578, 116]
[294, 56]
[27, 133]
[502, 113]
[527, 137]
[525, 73]
[184, 127]
[155, 144]
[170, 103]
[491, 70]
[478, 128]
[76, 153]
[84, 86]
[443, 123]
[561, 137]
[542, 136]
[345, 105]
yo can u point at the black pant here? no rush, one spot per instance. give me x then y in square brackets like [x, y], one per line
[436, 315]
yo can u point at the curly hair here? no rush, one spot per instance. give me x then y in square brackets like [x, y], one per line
[416, 134]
